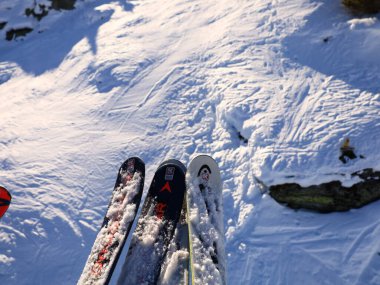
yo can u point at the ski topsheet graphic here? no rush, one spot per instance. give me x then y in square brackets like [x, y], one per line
[117, 223]
[205, 220]
[156, 225]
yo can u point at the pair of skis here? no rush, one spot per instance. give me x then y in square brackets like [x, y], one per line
[181, 220]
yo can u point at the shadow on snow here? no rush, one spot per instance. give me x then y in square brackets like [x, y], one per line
[328, 45]
[42, 51]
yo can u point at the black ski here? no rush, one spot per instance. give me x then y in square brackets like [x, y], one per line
[175, 268]
[156, 225]
[117, 223]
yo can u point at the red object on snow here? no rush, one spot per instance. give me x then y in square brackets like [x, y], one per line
[5, 200]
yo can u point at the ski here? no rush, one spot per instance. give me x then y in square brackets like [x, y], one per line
[117, 223]
[156, 225]
[175, 268]
[205, 222]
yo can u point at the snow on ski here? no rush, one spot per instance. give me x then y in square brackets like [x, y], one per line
[117, 223]
[205, 220]
[175, 268]
[155, 228]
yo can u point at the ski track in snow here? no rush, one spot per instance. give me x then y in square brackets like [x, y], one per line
[168, 79]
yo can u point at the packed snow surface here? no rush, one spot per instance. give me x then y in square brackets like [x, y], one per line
[270, 89]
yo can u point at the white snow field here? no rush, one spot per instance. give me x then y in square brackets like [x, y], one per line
[170, 79]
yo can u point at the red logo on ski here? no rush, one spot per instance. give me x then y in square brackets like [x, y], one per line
[160, 210]
[166, 187]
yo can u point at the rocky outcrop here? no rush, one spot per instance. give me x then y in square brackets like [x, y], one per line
[362, 7]
[15, 33]
[332, 196]
[37, 10]
[40, 11]
[63, 4]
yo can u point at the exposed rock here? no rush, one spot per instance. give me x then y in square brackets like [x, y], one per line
[332, 196]
[361, 7]
[241, 138]
[40, 11]
[63, 4]
[37, 12]
[15, 33]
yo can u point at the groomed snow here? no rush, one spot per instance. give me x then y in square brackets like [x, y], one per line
[168, 79]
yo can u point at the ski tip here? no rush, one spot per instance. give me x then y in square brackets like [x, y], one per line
[203, 157]
[173, 162]
[133, 164]
[203, 161]
[136, 158]
[200, 155]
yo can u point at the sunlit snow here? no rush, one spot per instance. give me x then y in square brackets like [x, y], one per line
[270, 89]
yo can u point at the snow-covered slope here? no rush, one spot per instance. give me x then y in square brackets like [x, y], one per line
[171, 78]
